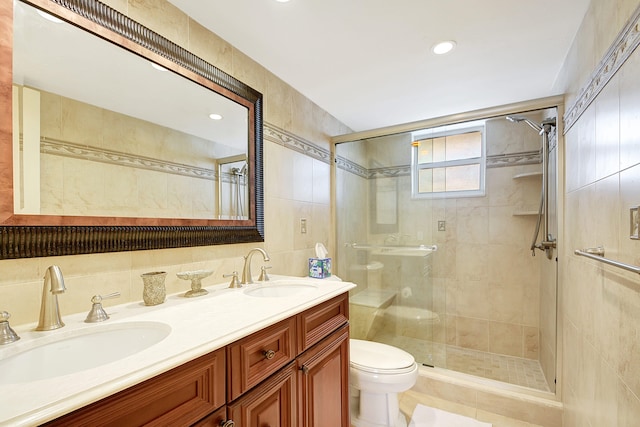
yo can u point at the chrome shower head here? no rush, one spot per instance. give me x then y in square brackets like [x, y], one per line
[518, 118]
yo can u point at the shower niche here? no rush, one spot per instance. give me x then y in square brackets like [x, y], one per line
[468, 297]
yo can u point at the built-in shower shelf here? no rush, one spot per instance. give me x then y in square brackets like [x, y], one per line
[527, 175]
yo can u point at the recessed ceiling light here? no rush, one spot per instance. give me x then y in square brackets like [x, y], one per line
[443, 47]
[214, 116]
[282, 1]
[158, 67]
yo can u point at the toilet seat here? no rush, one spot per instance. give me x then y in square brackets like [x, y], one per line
[369, 356]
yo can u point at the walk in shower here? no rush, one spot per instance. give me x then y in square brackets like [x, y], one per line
[233, 188]
[435, 225]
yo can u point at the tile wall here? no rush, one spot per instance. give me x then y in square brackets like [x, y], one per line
[600, 305]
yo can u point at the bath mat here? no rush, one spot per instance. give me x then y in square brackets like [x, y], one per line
[425, 416]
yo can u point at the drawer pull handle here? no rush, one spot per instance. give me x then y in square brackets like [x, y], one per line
[305, 369]
[228, 423]
[269, 354]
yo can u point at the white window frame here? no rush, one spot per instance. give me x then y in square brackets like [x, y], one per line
[435, 133]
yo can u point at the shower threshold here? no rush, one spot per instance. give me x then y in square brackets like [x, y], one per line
[508, 369]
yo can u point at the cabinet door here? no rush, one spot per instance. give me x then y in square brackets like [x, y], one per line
[323, 382]
[271, 404]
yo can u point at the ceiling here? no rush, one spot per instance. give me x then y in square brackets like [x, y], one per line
[369, 62]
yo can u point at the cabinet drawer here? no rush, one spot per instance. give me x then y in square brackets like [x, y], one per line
[252, 359]
[181, 396]
[318, 322]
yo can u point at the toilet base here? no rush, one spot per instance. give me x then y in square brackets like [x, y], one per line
[357, 422]
[376, 410]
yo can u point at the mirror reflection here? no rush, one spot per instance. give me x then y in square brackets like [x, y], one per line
[100, 131]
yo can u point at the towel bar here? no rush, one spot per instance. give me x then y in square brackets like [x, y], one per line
[598, 255]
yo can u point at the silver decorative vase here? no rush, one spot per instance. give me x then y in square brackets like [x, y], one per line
[154, 291]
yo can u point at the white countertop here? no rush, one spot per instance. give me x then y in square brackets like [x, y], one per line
[198, 326]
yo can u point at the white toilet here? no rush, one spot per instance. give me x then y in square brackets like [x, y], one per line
[378, 372]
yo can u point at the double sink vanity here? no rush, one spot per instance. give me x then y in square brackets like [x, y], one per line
[273, 353]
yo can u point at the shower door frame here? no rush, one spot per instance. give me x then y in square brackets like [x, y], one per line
[502, 110]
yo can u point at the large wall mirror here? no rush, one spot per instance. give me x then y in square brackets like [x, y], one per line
[117, 139]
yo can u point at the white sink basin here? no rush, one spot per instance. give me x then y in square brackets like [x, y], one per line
[280, 289]
[86, 349]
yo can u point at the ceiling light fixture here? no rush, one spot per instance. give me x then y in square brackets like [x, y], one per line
[214, 116]
[158, 67]
[282, 1]
[443, 47]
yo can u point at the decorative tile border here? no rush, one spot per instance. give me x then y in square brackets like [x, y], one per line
[352, 167]
[621, 49]
[514, 159]
[68, 149]
[294, 142]
[495, 161]
[289, 140]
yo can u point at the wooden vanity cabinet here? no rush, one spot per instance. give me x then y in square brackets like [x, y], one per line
[294, 373]
[313, 390]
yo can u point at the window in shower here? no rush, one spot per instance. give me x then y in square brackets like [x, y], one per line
[448, 163]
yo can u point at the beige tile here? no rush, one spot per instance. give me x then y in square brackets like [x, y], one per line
[629, 112]
[506, 301]
[549, 416]
[505, 338]
[607, 137]
[450, 393]
[472, 333]
[162, 17]
[531, 338]
[628, 406]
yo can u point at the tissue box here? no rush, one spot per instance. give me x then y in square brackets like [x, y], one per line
[319, 268]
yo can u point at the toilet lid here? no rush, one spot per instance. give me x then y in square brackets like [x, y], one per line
[377, 357]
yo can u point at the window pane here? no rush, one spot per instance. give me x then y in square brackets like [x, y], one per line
[439, 180]
[425, 181]
[460, 178]
[439, 149]
[464, 146]
[425, 151]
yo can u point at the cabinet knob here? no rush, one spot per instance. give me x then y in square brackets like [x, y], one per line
[228, 423]
[269, 354]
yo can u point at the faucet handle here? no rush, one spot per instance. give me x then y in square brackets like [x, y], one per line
[235, 283]
[264, 277]
[7, 335]
[97, 313]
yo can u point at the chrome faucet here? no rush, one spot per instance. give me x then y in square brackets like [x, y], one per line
[246, 270]
[49, 311]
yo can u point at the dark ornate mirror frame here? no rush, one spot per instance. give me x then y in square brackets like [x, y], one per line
[27, 236]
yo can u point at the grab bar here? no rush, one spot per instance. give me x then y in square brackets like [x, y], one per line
[598, 255]
[431, 248]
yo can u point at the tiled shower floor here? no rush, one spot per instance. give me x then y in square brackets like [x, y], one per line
[508, 369]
